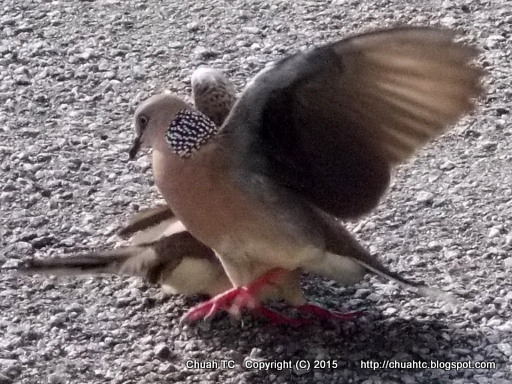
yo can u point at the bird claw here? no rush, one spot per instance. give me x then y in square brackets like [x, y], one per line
[277, 318]
[225, 301]
[232, 301]
[236, 299]
[325, 314]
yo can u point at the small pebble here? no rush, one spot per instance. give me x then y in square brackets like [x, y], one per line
[494, 232]
[424, 197]
[251, 30]
[506, 348]
[162, 351]
[472, 307]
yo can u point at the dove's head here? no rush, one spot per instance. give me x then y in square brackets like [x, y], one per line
[166, 123]
[205, 77]
[153, 118]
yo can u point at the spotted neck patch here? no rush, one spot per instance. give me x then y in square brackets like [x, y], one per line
[189, 131]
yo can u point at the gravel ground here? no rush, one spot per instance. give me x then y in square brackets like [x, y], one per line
[71, 73]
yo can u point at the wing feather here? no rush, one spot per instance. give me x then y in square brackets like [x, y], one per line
[331, 123]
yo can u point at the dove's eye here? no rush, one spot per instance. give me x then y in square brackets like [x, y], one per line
[143, 122]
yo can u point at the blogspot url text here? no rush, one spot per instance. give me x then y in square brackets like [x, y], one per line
[432, 364]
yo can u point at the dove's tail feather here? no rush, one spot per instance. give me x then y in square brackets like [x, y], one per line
[347, 260]
[134, 261]
[414, 286]
[178, 262]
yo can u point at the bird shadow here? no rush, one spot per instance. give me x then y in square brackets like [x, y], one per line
[355, 345]
[369, 336]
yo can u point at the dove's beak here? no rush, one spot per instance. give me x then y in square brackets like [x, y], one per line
[135, 147]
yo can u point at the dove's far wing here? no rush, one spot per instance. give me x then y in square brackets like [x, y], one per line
[331, 123]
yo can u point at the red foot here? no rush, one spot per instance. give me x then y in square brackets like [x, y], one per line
[278, 319]
[223, 301]
[326, 314]
[236, 299]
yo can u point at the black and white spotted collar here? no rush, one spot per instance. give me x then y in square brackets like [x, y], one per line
[189, 131]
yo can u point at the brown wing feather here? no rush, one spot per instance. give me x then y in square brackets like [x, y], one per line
[145, 219]
[407, 86]
[331, 123]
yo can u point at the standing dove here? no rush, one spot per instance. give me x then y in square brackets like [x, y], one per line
[312, 139]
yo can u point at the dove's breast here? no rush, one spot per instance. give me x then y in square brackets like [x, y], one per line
[247, 234]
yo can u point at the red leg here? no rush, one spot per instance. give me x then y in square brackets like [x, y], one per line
[326, 314]
[212, 306]
[235, 299]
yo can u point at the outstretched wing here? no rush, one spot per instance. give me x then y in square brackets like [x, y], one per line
[331, 123]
